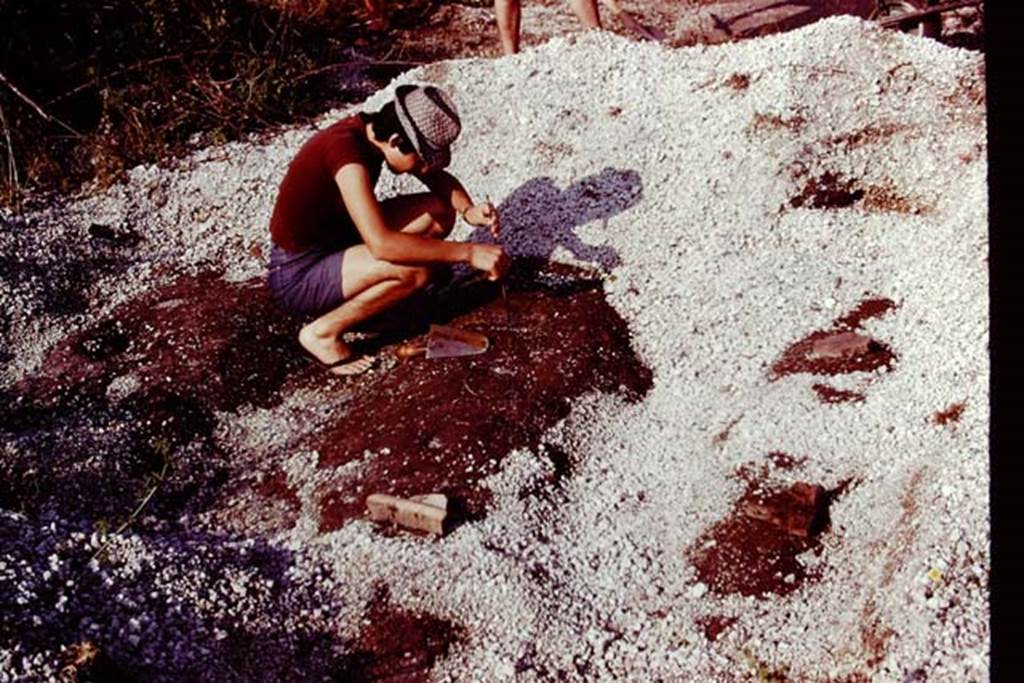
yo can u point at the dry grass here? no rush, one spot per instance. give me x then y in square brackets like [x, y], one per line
[90, 89]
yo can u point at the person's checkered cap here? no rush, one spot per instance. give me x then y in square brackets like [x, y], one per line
[430, 121]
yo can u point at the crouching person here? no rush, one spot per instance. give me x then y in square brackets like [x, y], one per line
[341, 256]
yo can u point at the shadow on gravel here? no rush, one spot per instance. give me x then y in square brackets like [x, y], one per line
[538, 212]
[58, 283]
[174, 611]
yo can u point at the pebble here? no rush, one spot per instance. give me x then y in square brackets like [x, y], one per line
[697, 590]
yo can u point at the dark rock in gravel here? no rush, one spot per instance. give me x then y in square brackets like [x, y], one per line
[104, 234]
[754, 550]
[839, 350]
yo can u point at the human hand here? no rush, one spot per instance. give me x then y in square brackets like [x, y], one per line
[484, 215]
[490, 258]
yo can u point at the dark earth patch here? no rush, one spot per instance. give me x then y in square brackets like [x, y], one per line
[714, 625]
[762, 122]
[839, 350]
[832, 191]
[827, 191]
[443, 425]
[276, 486]
[396, 645]
[871, 134]
[754, 550]
[869, 308]
[754, 472]
[738, 81]
[785, 461]
[951, 414]
[829, 394]
[113, 401]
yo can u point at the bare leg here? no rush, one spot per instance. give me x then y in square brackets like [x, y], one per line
[586, 10]
[371, 286]
[322, 336]
[508, 13]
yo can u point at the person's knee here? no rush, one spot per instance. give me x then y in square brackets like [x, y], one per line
[415, 277]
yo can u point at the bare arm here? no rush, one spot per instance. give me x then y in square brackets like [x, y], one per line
[394, 246]
[449, 190]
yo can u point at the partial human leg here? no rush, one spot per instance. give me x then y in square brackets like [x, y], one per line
[508, 13]
[420, 214]
[586, 10]
[378, 19]
[369, 287]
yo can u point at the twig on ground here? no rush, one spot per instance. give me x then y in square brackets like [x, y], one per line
[896, 20]
[12, 167]
[138, 509]
[356, 62]
[39, 110]
[99, 80]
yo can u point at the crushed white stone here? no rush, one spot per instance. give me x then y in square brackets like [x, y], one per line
[715, 273]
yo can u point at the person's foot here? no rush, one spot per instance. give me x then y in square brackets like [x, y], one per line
[335, 355]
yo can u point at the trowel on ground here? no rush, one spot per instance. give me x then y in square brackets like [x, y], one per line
[445, 342]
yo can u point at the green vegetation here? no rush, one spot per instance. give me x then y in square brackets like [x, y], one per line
[163, 449]
[88, 89]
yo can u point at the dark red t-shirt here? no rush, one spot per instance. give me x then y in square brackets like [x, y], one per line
[309, 211]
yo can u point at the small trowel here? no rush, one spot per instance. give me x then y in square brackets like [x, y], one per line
[445, 342]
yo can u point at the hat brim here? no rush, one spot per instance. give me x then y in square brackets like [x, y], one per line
[436, 158]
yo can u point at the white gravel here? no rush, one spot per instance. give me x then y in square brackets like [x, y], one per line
[716, 275]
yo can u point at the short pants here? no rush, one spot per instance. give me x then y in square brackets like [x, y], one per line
[306, 282]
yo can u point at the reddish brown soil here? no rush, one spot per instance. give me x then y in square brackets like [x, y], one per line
[869, 308]
[201, 346]
[829, 394]
[396, 645]
[951, 414]
[832, 191]
[226, 341]
[275, 487]
[715, 624]
[802, 356]
[754, 472]
[754, 550]
[785, 461]
[874, 634]
[192, 348]
[442, 425]
[828, 191]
